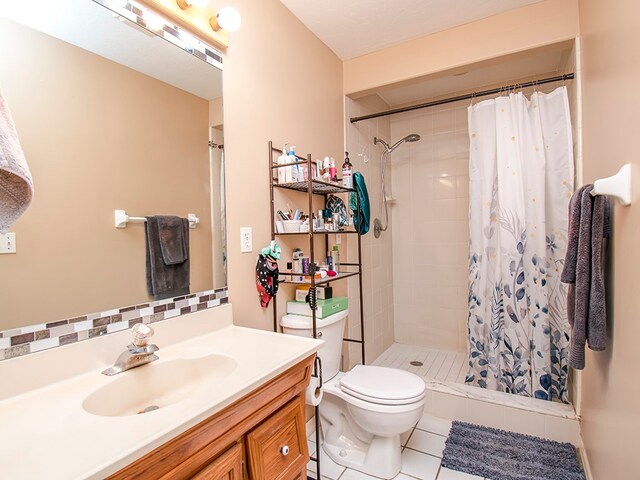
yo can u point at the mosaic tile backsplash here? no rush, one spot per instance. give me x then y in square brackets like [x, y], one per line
[34, 338]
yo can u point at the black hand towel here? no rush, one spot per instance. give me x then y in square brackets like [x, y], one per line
[167, 256]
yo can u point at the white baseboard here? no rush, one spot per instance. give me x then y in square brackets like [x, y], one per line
[585, 461]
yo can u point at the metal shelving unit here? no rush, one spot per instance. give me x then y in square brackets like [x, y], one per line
[314, 187]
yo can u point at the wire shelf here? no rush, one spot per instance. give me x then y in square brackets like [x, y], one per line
[317, 232]
[319, 187]
[319, 281]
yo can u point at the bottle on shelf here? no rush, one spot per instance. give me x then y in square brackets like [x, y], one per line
[335, 256]
[320, 220]
[282, 160]
[295, 169]
[347, 179]
[297, 265]
[326, 169]
[333, 171]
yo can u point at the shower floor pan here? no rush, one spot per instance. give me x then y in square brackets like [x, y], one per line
[444, 373]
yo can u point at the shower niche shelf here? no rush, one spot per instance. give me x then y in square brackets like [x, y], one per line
[313, 188]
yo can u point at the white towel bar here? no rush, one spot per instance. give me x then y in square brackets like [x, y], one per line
[618, 185]
[121, 219]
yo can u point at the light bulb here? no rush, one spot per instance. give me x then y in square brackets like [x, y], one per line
[229, 18]
[154, 22]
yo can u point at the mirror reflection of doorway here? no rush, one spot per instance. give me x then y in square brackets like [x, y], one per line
[218, 206]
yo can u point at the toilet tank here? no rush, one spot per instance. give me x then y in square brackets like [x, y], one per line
[330, 329]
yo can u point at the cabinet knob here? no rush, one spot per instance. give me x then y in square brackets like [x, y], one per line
[284, 450]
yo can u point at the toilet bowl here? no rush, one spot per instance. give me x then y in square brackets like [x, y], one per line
[365, 410]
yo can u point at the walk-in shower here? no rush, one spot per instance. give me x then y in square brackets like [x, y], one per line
[378, 227]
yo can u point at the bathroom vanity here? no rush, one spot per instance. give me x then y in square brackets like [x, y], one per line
[261, 436]
[222, 402]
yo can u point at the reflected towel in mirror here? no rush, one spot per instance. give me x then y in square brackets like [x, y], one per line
[167, 256]
[16, 184]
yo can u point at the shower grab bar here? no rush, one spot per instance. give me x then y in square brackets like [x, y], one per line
[618, 185]
[122, 219]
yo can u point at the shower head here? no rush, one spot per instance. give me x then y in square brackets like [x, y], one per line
[413, 137]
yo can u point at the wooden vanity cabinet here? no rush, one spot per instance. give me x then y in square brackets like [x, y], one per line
[227, 466]
[259, 437]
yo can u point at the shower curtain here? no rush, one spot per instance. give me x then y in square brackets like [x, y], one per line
[521, 179]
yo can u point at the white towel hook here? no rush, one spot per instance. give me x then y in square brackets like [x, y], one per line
[618, 185]
[121, 219]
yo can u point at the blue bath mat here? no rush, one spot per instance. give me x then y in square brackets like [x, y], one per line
[501, 455]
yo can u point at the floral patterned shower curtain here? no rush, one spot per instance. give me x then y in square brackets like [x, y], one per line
[521, 174]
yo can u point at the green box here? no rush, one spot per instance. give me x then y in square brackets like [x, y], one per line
[325, 307]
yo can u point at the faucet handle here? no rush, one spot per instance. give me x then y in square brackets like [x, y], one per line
[141, 334]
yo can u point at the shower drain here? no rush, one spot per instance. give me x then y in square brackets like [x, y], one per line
[416, 363]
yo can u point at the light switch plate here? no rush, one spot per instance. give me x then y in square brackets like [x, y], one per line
[246, 240]
[8, 243]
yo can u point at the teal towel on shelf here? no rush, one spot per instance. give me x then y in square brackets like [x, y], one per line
[361, 219]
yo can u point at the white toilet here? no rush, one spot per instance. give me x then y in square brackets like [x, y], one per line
[363, 411]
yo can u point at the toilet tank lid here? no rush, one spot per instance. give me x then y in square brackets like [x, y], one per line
[383, 383]
[303, 322]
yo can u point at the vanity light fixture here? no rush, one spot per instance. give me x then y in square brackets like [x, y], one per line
[153, 21]
[184, 4]
[228, 18]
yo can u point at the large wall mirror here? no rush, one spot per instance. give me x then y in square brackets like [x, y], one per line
[110, 115]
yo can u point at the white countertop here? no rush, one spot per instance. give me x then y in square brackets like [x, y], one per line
[46, 433]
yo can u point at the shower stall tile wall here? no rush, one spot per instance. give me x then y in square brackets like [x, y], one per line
[376, 252]
[430, 228]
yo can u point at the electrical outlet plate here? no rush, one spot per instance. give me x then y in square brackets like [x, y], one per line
[246, 240]
[338, 239]
[8, 243]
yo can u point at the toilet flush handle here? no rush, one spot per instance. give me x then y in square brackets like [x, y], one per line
[284, 450]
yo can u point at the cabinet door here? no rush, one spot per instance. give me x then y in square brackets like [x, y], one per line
[277, 448]
[227, 466]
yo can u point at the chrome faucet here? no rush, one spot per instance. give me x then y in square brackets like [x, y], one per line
[139, 351]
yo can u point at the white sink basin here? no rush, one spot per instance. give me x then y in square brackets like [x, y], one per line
[157, 385]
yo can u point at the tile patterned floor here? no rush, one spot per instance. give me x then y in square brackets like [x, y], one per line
[422, 448]
[437, 364]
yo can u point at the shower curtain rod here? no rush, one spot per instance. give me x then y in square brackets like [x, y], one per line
[493, 91]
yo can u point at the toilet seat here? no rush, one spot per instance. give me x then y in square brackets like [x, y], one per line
[382, 386]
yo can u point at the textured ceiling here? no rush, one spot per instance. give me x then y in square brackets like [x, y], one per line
[90, 26]
[355, 27]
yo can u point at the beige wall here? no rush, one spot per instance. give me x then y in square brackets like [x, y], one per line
[96, 138]
[377, 278]
[610, 391]
[528, 27]
[215, 112]
[281, 83]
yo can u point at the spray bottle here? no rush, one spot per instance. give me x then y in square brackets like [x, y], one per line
[333, 171]
[347, 179]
